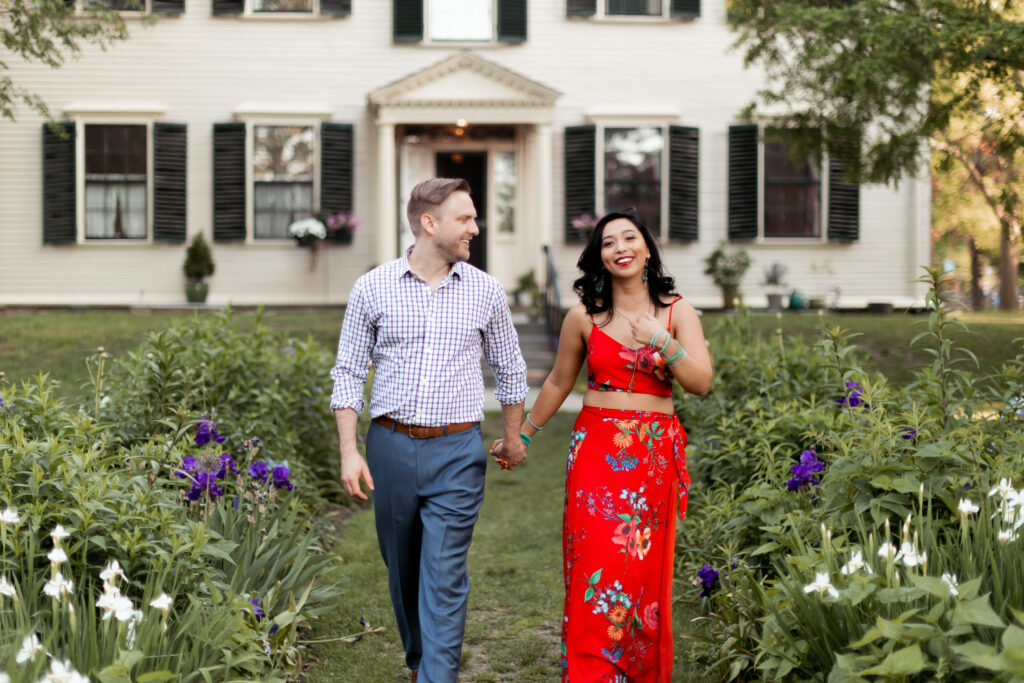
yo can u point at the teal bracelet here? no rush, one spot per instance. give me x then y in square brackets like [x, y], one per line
[654, 339]
[525, 439]
[531, 423]
[672, 365]
[668, 338]
[680, 352]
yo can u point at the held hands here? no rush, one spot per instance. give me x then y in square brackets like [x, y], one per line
[508, 455]
[644, 327]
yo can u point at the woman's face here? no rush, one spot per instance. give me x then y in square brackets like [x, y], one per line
[624, 252]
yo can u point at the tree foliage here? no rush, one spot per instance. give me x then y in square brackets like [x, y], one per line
[890, 74]
[49, 32]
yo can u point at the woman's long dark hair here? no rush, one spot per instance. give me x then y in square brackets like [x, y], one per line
[659, 283]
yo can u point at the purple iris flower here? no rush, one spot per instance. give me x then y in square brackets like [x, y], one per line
[206, 430]
[259, 470]
[281, 474]
[188, 467]
[803, 473]
[257, 609]
[227, 464]
[708, 580]
[854, 398]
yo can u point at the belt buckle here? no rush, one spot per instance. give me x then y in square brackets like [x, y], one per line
[418, 432]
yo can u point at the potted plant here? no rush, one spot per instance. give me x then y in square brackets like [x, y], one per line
[307, 232]
[584, 224]
[726, 270]
[341, 226]
[198, 265]
[775, 281]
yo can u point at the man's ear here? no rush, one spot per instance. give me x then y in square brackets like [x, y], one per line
[427, 224]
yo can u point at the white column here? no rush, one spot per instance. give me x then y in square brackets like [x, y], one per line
[385, 244]
[543, 195]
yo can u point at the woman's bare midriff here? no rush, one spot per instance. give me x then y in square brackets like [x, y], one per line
[624, 400]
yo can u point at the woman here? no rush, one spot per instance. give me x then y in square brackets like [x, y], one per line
[626, 474]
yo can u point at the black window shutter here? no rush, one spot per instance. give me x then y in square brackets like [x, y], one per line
[168, 7]
[336, 170]
[843, 205]
[685, 9]
[580, 182]
[512, 21]
[228, 181]
[581, 8]
[743, 182]
[683, 182]
[336, 8]
[228, 6]
[407, 24]
[59, 209]
[170, 191]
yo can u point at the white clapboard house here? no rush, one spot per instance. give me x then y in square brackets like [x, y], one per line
[236, 117]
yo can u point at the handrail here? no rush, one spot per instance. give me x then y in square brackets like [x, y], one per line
[552, 300]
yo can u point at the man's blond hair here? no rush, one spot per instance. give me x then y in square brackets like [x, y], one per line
[430, 194]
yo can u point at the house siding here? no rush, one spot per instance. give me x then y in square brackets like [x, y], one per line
[200, 68]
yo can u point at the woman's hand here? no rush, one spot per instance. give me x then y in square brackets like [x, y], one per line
[644, 327]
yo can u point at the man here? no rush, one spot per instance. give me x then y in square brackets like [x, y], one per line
[423, 320]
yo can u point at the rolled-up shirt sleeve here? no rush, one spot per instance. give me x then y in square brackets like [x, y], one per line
[355, 347]
[501, 350]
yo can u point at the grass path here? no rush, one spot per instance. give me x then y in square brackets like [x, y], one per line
[515, 567]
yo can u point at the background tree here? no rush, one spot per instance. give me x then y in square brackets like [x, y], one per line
[49, 32]
[871, 81]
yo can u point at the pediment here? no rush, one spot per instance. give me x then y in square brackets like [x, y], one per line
[464, 80]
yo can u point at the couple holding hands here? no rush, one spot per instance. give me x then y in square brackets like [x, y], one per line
[423, 320]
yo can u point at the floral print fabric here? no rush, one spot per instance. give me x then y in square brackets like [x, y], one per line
[626, 477]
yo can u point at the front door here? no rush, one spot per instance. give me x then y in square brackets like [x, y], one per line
[471, 167]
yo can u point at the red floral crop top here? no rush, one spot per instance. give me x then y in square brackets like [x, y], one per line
[614, 367]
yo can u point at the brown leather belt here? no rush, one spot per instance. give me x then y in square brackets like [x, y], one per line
[417, 432]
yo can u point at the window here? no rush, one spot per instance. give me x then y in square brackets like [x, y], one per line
[460, 20]
[259, 6]
[116, 161]
[634, 8]
[792, 193]
[283, 166]
[632, 172]
[505, 191]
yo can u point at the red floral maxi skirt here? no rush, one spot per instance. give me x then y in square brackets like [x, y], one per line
[625, 479]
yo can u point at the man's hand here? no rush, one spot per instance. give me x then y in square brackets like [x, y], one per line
[354, 468]
[508, 457]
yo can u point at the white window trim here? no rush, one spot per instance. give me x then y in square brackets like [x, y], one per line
[83, 115]
[309, 116]
[248, 12]
[823, 183]
[428, 42]
[664, 18]
[654, 119]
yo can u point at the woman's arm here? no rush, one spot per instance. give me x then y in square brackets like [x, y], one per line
[562, 378]
[694, 373]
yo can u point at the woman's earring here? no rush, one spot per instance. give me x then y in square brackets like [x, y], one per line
[645, 269]
[600, 283]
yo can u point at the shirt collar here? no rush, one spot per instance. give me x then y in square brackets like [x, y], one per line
[457, 269]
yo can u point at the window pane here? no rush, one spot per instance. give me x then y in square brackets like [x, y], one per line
[641, 8]
[505, 191]
[792, 194]
[121, 5]
[278, 204]
[461, 19]
[283, 153]
[115, 182]
[632, 172]
[282, 5]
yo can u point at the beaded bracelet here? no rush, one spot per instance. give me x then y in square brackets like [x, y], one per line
[531, 423]
[525, 439]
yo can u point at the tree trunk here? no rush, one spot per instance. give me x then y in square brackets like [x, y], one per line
[1009, 257]
[977, 296]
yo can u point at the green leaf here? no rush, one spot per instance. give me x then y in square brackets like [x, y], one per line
[1013, 638]
[905, 662]
[156, 677]
[934, 585]
[981, 655]
[977, 612]
[588, 595]
[595, 577]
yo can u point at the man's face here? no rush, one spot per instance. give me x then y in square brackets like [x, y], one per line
[455, 226]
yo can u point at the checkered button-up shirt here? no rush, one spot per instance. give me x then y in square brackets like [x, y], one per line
[425, 346]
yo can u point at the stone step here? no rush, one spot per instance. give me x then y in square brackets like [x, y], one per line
[535, 344]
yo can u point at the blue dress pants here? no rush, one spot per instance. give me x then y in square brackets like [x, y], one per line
[427, 495]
